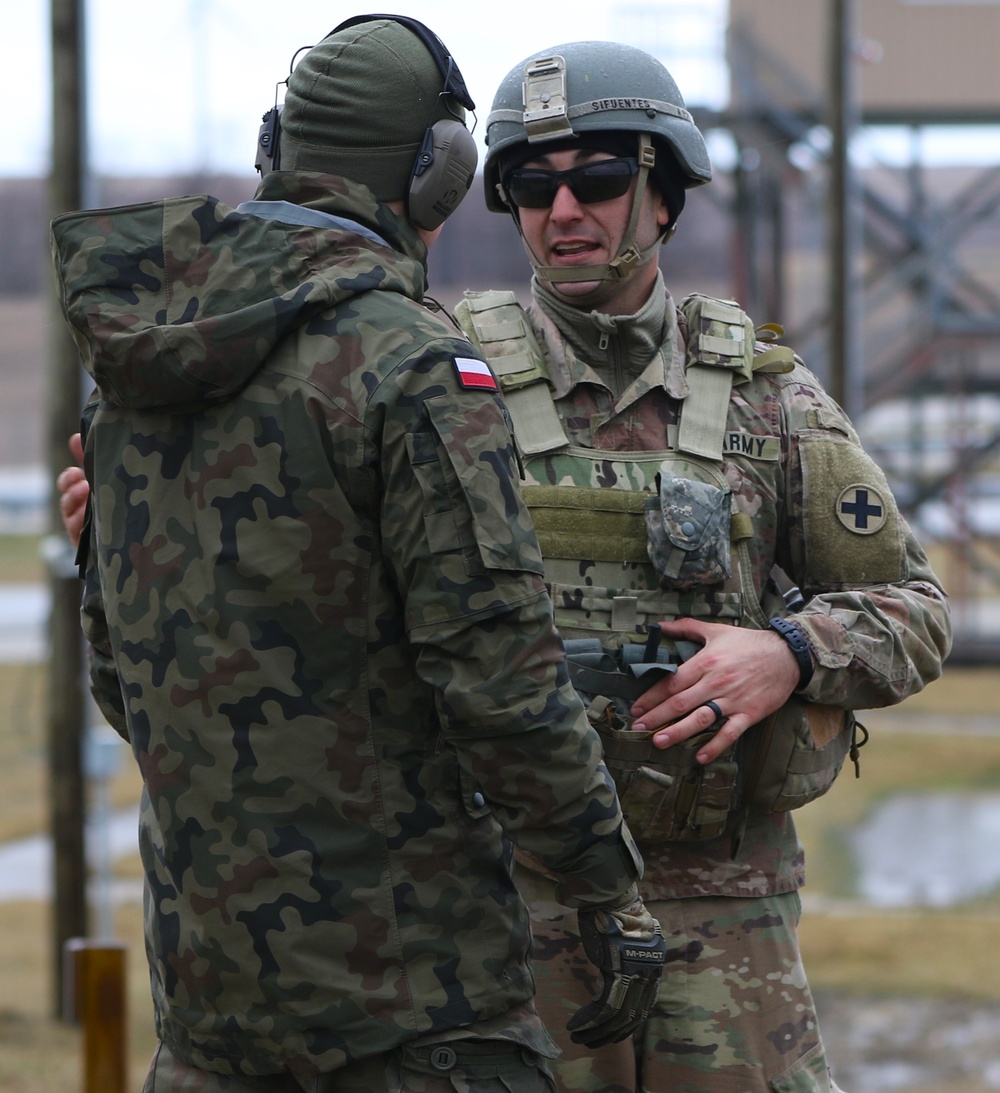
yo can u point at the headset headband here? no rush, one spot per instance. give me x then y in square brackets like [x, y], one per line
[454, 84]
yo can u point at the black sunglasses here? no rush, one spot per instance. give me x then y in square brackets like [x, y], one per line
[601, 180]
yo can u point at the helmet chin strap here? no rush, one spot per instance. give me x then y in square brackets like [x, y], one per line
[629, 255]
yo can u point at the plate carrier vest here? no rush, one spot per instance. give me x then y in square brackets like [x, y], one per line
[603, 508]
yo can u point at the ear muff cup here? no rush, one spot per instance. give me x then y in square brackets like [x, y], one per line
[442, 174]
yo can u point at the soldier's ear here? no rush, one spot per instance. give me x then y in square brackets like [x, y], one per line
[662, 212]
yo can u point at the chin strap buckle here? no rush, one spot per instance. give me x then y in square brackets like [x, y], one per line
[623, 265]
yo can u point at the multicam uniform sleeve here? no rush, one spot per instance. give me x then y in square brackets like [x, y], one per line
[466, 562]
[875, 614]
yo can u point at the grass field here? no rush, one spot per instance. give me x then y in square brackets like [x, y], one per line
[20, 558]
[850, 952]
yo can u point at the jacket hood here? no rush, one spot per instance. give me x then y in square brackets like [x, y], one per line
[175, 304]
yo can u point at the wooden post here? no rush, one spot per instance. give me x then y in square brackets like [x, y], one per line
[846, 382]
[65, 685]
[95, 996]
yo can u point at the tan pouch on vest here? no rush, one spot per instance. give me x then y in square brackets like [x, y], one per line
[784, 762]
[665, 793]
[794, 756]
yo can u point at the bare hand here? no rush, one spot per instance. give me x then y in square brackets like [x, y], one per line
[748, 674]
[73, 492]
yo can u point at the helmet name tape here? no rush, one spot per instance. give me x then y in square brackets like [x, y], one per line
[619, 104]
[599, 106]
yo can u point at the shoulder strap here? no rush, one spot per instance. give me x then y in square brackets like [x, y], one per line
[721, 350]
[498, 327]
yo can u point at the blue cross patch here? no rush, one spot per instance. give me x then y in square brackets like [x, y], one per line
[862, 509]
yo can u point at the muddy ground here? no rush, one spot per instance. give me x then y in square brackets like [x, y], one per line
[911, 1045]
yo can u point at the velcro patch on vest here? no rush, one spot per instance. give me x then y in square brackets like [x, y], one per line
[767, 448]
[473, 373]
[852, 527]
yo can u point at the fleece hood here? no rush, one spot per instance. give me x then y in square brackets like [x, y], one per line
[175, 304]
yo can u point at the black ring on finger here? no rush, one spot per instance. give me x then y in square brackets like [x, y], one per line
[714, 707]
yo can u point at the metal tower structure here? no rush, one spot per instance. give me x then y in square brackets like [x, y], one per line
[923, 284]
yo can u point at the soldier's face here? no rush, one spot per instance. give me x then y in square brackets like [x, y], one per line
[570, 233]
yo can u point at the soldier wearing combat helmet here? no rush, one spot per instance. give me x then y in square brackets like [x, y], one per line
[681, 472]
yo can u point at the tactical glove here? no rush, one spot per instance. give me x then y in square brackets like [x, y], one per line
[626, 943]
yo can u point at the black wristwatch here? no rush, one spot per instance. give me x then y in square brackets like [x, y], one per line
[799, 645]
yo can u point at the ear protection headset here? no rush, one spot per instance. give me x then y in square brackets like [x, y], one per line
[446, 163]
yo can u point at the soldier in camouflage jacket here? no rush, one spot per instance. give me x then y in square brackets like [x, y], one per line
[660, 502]
[316, 610]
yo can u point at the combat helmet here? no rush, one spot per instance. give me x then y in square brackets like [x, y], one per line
[581, 89]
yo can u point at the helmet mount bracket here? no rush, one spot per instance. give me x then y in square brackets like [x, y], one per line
[546, 113]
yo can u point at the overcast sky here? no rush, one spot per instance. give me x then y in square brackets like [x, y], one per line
[178, 86]
[181, 84]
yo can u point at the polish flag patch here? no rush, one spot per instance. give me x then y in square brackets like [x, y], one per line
[473, 373]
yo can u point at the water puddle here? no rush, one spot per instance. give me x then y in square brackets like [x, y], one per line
[26, 864]
[929, 850]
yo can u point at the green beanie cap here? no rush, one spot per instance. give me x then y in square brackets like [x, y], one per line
[358, 104]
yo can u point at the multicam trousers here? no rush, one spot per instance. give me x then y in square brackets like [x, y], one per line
[454, 1066]
[734, 1013]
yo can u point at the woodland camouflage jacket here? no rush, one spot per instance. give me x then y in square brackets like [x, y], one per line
[317, 613]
